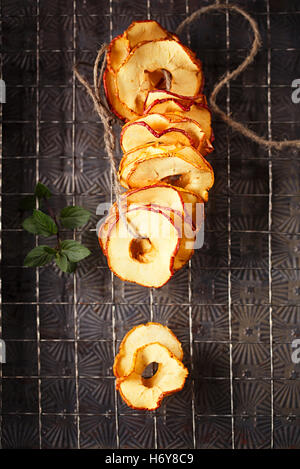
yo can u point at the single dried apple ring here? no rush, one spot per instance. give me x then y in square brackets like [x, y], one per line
[134, 78]
[148, 393]
[194, 111]
[185, 168]
[162, 195]
[138, 337]
[155, 95]
[184, 208]
[121, 111]
[149, 259]
[155, 127]
[146, 30]
[117, 52]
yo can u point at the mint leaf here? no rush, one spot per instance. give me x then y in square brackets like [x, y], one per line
[50, 250]
[64, 264]
[29, 225]
[74, 217]
[74, 251]
[45, 226]
[62, 261]
[41, 255]
[27, 203]
[41, 191]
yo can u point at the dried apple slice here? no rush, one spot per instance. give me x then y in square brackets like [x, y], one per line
[148, 393]
[146, 134]
[141, 31]
[194, 207]
[185, 168]
[187, 239]
[154, 95]
[196, 112]
[149, 260]
[149, 149]
[139, 336]
[157, 127]
[184, 225]
[161, 195]
[169, 197]
[186, 207]
[117, 52]
[118, 108]
[134, 77]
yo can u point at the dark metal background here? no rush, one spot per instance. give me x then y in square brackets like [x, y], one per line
[235, 307]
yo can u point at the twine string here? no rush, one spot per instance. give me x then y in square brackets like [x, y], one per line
[256, 44]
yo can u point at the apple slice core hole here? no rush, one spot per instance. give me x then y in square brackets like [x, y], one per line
[149, 372]
[141, 250]
[173, 180]
[159, 79]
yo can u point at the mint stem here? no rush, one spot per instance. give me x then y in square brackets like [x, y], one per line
[53, 216]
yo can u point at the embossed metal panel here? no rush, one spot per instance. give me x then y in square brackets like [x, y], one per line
[235, 307]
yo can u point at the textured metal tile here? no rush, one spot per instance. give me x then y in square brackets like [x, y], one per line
[58, 395]
[92, 435]
[56, 68]
[136, 431]
[57, 358]
[59, 432]
[235, 307]
[209, 286]
[19, 33]
[250, 324]
[212, 396]
[20, 395]
[211, 360]
[284, 30]
[251, 360]
[286, 320]
[252, 432]
[174, 432]
[286, 432]
[252, 397]
[94, 322]
[213, 432]
[20, 431]
[92, 31]
[18, 285]
[19, 321]
[95, 358]
[19, 68]
[210, 323]
[56, 322]
[249, 250]
[18, 244]
[56, 32]
[96, 396]
[127, 316]
[286, 397]
[23, 359]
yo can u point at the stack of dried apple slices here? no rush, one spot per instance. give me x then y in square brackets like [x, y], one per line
[164, 142]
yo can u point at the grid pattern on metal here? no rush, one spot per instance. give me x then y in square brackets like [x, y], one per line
[235, 307]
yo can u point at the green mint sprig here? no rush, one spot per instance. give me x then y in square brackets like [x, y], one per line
[67, 253]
